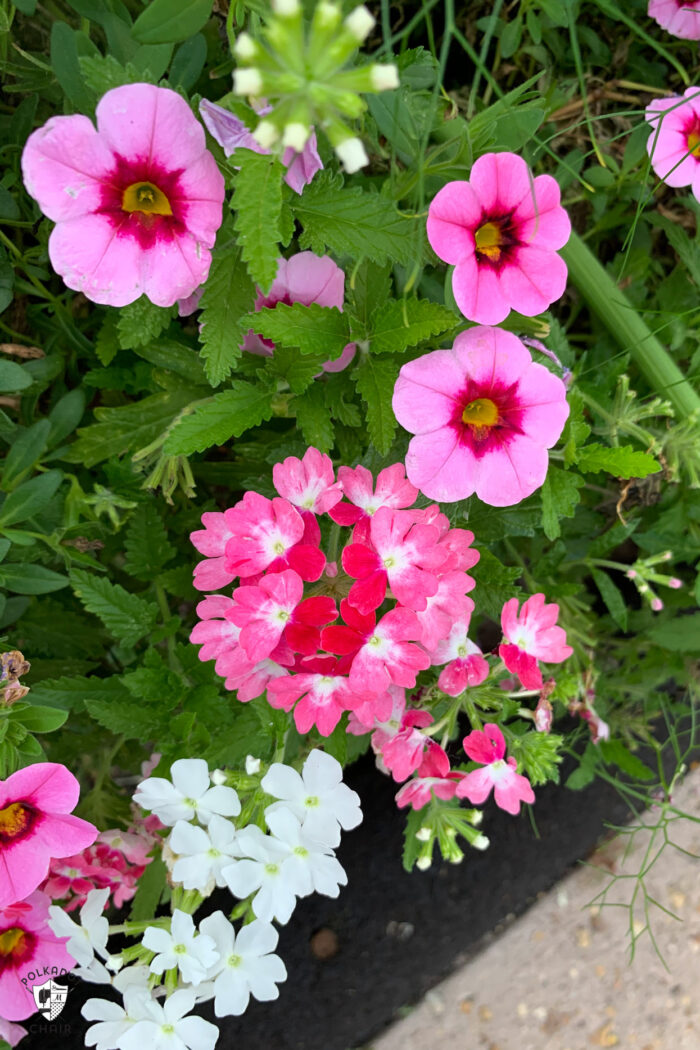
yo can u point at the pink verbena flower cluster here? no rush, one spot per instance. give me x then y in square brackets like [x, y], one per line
[371, 623]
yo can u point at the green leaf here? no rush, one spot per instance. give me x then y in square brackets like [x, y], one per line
[375, 379]
[314, 418]
[401, 323]
[26, 450]
[560, 497]
[495, 584]
[141, 322]
[353, 222]
[13, 377]
[215, 420]
[615, 751]
[133, 720]
[71, 693]
[311, 329]
[30, 579]
[576, 430]
[126, 616]
[39, 719]
[623, 462]
[169, 21]
[146, 543]
[150, 889]
[29, 498]
[539, 755]
[65, 64]
[296, 369]
[679, 635]
[257, 204]
[65, 416]
[370, 288]
[127, 427]
[412, 845]
[107, 341]
[188, 63]
[612, 596]
[228, 296]
[175, 357]
[7, 280]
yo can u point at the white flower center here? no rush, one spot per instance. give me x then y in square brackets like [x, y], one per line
[272, 869]
[311, 800]
[300, 851]
[180, 949]
[234, 960]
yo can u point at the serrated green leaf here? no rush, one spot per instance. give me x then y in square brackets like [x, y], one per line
[257, 201]
[169, 21]
[141, 322]
[107, 341]
[126, 616]
[166, 353]
[375, 378]
[314, 418]
[412, 845]
[615, 751]
[560, 497]
[370, 287]
[495, 583]
[296, 369]
[679, 635]
[146, 543]
[539, 754]
[576, 430]
[623, 462]
[612, 596]
[71, 693]
[132, 720]
[400, 323]
[353, 222]
[228, 296]
[218, 418]
[29, 498]
[311, 329]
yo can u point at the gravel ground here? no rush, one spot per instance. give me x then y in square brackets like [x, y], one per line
[560, 977]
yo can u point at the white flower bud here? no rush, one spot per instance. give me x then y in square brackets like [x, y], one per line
[296, 136]
[326, 14]
[252, 765]
[245, 47]
[481, 842]
[114, 963]
[352, 154]
[423, 834]
[285, 8]
[247, 82]
[266, 133]
[384, 78]
[423, 863]
[360, 23]
[218, 777]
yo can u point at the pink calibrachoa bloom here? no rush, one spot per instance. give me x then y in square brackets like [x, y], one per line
[679, 17]
[392, 490]
[308, 483]
[319, 694]
[403, 752]
[35, 825]
[401, 553]
[304, 278]
[137, 202]
[273, 609]
[232, 134]
[466, 665]
[501, 230]
[510, 788]
[674, 144]
[27, 945]
[484, 415]
[531, 635]
[434, 778]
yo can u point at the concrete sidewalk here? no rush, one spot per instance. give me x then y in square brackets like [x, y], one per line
[560, 978]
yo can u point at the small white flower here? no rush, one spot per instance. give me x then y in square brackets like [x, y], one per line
[246, 964]
[168, 1028]
[189, 795]
[181, 947]
[317, 797]
[310, 864]
[360, 23]
[252, 765]
[91, 935]
[247, 82]
[202, 854]
[352, 153]
[263, 870]
[113, 1020]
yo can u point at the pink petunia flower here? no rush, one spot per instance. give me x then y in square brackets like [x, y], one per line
[232, 134]
[531, 635]
[392, 490]
[319, 696]
[27, 945]
[434, 779]
[501, 230]
[466, 666]
[401, 553]
[273, 609]
[36, 825]
[402, 752]
[137, 202]
[304, 278]
[484, 415]
[679, 17]
[216, 634]
[308, 483]
[674, 144]
[510, 788]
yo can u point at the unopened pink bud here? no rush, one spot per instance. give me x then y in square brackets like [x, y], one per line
[631, 574]
[675, 583]
[656, 604]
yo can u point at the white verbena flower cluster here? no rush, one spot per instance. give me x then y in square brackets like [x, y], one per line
[294, 858]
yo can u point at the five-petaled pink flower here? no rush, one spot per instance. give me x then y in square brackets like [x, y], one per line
[531, 635]
[35, 825]
[27, 945]
[484, 415]
[137, 202]
[308, 483]
[273, 609]
[392, 490]
[674, 144]
[510, 788]
[319, 695]
[402, 751]
[466, 665]
[679, 17]
[434, 779]
[501, 230]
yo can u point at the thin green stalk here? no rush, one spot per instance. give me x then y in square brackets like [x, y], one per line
[609, 303]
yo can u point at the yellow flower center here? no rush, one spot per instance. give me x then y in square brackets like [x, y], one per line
[147, 198]
[481, 413]
[694, 143]
[489, 239]
[15, 819]
[12, 942]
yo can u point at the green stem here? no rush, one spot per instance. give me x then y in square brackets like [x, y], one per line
[610, 304]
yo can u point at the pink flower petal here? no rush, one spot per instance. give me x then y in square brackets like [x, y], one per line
[62, 165]
[91, 257]
[144, 122]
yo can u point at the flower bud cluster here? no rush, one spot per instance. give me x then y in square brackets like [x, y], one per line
[644, 574]
[303, 76]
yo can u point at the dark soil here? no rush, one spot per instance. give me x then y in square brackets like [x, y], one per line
[390, 936]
